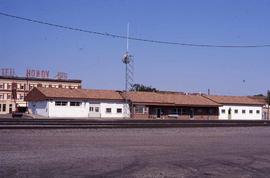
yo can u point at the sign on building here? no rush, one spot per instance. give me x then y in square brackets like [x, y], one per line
[33, 73]
[8, 72]
[62, 76]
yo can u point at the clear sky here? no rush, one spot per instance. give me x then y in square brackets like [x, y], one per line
[97, 60]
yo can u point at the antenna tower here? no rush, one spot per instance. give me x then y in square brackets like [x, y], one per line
[128, 60]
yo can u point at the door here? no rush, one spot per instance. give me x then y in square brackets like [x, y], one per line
[94, 111]
[230, 114]
[158, 112]
[191, 113]
[10, 108]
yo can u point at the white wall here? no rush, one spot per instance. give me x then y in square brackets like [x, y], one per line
[240, 115]
[39, 108]
[114, 106]
[94, 113]
[49, 109]
[68, 111]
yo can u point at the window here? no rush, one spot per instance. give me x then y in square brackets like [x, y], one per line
[91, 109]
[21, 97]
[4, 107]
[185, 111]
[9, 86]
[8, 96]
[0, 107]
[21, 87]
[119, 110]
[211, 111]
[243, 111]
[174, 111]
[1, 97]
[139, 109]
[199, 111]
[1, 86]
[60, 103]
[236, 111]
[75, 103]
[258, 111]
[250, 111]
[108, 110]
[96, 109]
[223, 111]
[10, 108]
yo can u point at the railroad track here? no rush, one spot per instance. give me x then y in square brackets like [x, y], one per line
[84, 123]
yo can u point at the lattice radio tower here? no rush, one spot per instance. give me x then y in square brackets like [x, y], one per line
[128, 60]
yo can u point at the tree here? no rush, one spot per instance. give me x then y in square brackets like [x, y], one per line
[259, 95]
[141, 87]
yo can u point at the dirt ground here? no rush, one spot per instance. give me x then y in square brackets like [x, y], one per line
[170, 152]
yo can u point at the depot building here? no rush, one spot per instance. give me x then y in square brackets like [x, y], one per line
[83, 103]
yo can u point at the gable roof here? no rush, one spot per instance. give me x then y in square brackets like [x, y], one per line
[157, 98]
[262, 99]
[235, 100]
[39, 94]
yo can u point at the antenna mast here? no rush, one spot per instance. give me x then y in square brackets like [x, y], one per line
[129, 73]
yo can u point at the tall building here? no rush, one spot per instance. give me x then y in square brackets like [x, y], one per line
[13, 89]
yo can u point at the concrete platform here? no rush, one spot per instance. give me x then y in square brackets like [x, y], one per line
[137, 153]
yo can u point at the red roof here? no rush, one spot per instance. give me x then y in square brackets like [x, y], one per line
[237, 100]
[170, 99]
[39, 94]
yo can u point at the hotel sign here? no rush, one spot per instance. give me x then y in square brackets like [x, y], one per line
[62, 76]
[33, 73]
[8, 72]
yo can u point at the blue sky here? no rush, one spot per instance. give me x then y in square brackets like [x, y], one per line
[97, 60]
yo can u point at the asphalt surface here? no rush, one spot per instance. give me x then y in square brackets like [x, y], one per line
[163, 152]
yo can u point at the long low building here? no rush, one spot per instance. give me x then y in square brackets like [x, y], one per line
[238, 107]
[61, 102]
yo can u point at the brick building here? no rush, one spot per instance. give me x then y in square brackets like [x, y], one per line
[22, 85]
[166, 105]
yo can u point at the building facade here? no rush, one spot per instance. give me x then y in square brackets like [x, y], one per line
[238, 107]
[82, 103]
[163, 105]
[77, 103]
[14, 89]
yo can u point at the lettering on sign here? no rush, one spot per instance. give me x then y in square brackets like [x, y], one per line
[37, 73]
[8, 72]
[62, 76]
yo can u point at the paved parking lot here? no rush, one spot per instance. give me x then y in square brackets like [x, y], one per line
[171, 152]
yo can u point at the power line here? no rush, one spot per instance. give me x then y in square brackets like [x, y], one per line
[133, 38]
